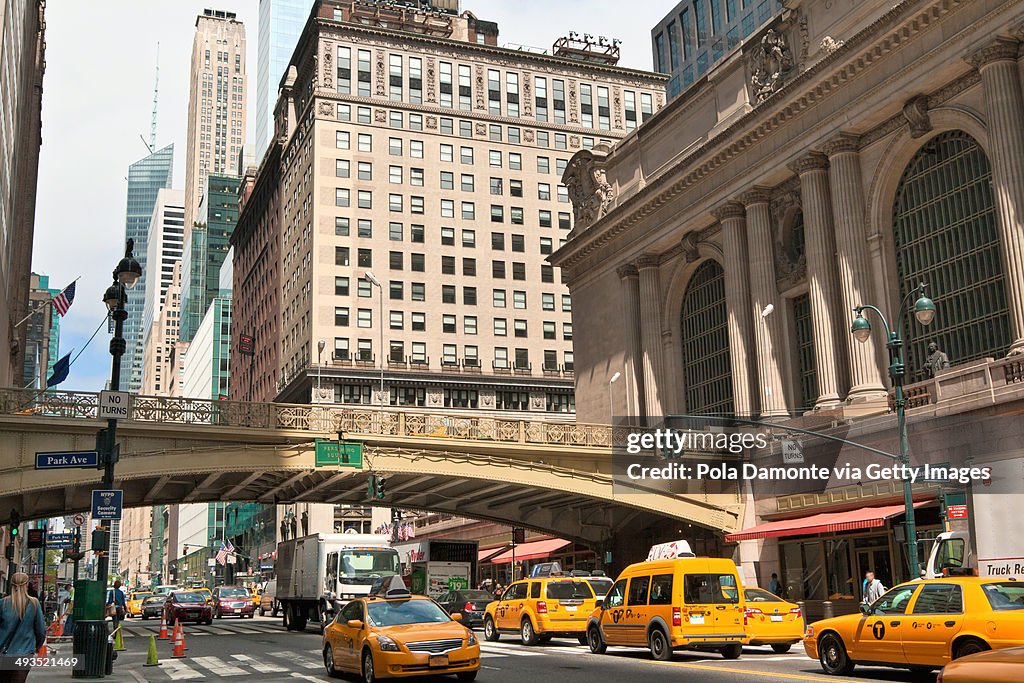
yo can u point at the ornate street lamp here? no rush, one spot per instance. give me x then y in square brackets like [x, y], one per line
[924, 312]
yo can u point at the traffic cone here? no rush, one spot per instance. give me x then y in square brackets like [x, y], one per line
[163, 627]
[151, 658]
[42, 651]
[119, 641]
[179, 642]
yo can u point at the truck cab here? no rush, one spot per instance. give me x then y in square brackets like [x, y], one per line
[352, 571]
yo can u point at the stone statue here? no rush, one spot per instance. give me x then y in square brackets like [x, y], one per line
[588, 188]
[937, 360]
[772, 62]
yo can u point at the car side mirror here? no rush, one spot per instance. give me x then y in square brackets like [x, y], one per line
[354, 623]
[600, 603]
[457, 616]
[866, 608]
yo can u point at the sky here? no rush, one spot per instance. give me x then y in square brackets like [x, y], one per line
[101, 59]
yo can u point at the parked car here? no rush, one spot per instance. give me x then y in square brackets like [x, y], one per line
[268, 601]
[993, 666]
[187, 606]
[233, 601]
[470, 603]
[153, 606]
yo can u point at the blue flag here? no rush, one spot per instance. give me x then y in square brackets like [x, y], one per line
[60, 371]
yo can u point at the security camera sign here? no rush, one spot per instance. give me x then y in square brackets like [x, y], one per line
[106, 504]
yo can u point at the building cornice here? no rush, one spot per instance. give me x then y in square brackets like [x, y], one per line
[816, 84]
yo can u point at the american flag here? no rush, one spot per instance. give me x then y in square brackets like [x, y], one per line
[62, 302]
[225, 550]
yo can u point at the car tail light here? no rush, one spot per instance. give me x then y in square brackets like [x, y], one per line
[542, 607]
[795, 612]
[677, 617]
[748, 612]
[469, 607]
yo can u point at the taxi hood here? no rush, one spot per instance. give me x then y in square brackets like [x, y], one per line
[412, 633]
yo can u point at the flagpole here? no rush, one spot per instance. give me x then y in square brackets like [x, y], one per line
[48, 303]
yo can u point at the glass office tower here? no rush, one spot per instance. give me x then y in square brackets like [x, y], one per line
[281, 22]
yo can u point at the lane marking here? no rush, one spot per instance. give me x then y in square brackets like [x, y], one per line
[258, 665]
[218, 666]
[307, 678]
[180, 671]
[746, 672]
[295, 658]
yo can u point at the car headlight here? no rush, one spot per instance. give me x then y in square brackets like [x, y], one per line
[471, 639]
[386, 644]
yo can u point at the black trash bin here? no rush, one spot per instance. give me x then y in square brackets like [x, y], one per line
[90, 647]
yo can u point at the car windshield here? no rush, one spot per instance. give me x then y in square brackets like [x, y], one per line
[569, 590]
[189, 597]
[758, 595]
[364, 566]
[140, 596]
[152, 600]
[474, 595]
[234, 593]
[600, 586]
[398, 612]
[1005, 596]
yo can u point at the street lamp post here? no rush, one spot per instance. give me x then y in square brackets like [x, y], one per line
[125, 276]
[924, 312]
[380, 325]
[611, 409]
[319, 363]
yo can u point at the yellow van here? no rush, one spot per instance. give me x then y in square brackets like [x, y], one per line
[677, 604]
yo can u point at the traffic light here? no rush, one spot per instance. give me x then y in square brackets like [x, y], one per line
[15, 524]
[100, 539]
[184, 550]
[72, 555]
[381, 483]
[371, 486]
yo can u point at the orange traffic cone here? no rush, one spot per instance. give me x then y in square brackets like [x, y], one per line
[163, 627]
[42, 651]
[179, 642]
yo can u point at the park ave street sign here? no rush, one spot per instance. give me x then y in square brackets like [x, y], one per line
[59, 460]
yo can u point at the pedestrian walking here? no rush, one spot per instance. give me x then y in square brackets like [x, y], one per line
[117, 604]
[22, 631]
[774, 586]
[873, 588]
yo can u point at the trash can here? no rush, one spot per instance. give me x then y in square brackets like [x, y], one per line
[90, 647]
[89, 599]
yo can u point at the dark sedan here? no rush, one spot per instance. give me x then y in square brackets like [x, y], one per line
[153, 606]
[470, 603]
[187, 606]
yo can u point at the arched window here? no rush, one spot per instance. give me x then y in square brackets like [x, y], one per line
[707, 367]
[945, 234]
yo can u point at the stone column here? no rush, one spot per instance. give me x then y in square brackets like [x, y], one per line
[632, 374]
[819, 234]
[650, 333]
[733, 218]
[1004, 107]
[852, 258]
[764, 292]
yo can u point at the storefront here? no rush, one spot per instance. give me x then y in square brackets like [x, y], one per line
[496, 563]
[824, 557]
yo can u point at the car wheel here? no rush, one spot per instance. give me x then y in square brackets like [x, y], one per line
[490, 631]
[658, 644]
[732, 651]
[466, 675]
[832, 655]
[583, 639]
[969, 646]
[263, 612]
[526, 633]
[781, 648]
[145, 617]
[369, 675]
[218, 614]
[595, 641]
[208, 621]
[332, 671]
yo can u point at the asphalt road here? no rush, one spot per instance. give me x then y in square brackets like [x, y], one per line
[261, 650]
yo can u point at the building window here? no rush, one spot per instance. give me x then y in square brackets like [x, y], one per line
[408, 396]
[448, 264]
[466, 155]
[419, 291]
[515, 163]
[448, 294]
[447, 180]
[448, 323]
[561, 403]
[342, 196]
[519, 328]
[469, 324]
[364, 288]
[341, 316]
[498, 269]
[500, 327]
[460, 398]
[944, 226]
[518, 270]
[447, 153]
[445, 83]
[363, 73]
[807, 367]
[519, 300]
[512, 94]
[341, 226]
[544, 218]
[365, 258]
[365, 142]
[395, 147]
[469, 296]
[365, 199]
[344, 70]
[547, 302]
[342, 139]
[707, 367]
[468, 211]
[416, 177]
[341, 168]
[415, 84]
[540, 88]
[416, 233]
[352, 393]
[448, 237]
[512, 400]
[587, 105]
[469, 239]
[497, 213]
[341, 351]
[395, 203]
[394, 175]
[469, 267]
[395, 77]
[465, 88]
[416, 149]
[465, 128]
[396, 290]
[549, 330]
[515, 188]
[395, 260]
[341, 286]
[364, 317]
[364, 227]
[522, 359]
[566, 303]
[501, 357]
[447, 208]
[417, 262]
[396, 119]
[467, 183]
[419, 322]
[341, 256]
[395, 232]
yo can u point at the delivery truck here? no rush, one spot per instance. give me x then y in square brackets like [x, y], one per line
[318, 574]
[983, 537]
[437, 566]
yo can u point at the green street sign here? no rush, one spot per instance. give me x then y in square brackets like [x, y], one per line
[344, 454]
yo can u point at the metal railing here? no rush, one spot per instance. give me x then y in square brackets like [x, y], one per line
[356, 420]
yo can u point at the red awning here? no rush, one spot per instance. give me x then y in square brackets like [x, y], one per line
[824, 523]
[487, 554]
[531, 551]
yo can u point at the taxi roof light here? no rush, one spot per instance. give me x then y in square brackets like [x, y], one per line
[390, 588]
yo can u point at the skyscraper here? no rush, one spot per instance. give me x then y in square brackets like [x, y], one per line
[42, 334]
[281, 23]
[146, 178]
[216, 103]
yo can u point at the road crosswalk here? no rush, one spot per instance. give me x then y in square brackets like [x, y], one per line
[136, 630]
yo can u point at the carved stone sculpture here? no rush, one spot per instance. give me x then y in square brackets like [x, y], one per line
[587, 184]
[915, 111]
[937, 360]
[771, 63]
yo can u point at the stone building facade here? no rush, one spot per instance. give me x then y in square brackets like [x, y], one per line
[841, 155]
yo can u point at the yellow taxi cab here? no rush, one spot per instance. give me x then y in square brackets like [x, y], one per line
[922, 625]
[206, 593]
[542, 608]
[393, 634]
[680, 603]
[991, 666]
[770, 620]
[135, 603]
